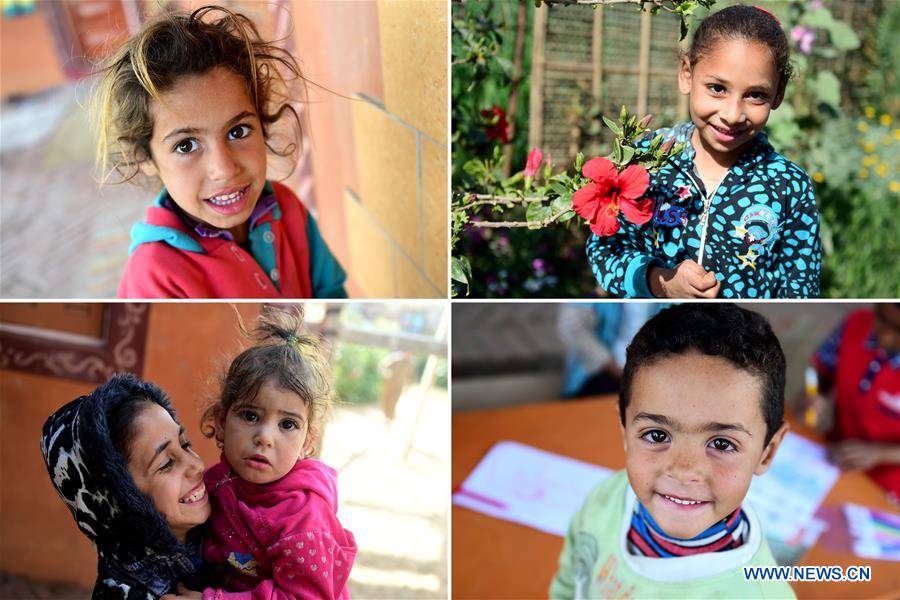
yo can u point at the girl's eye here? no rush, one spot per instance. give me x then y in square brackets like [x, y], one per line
[290, 424]
[239, 132]
[758, 96]
[656, 436]
[249, 416]
[166, 467]
[715, 88]
[186, 146]
[723, 445]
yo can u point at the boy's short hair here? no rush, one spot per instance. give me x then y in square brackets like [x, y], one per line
[740, 336]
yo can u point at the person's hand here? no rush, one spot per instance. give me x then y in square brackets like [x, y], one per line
[687, 280]
[183, 594]
[853, 455]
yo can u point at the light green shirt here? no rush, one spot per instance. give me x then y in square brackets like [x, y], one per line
[595, 562]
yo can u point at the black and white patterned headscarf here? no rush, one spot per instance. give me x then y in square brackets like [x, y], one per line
[139, 556]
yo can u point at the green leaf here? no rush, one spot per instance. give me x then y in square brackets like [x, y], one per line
[460, 269]
[514, 179]
[537, 211]
[559, 188]
[475, 167]
[627, 154]
[843, 37]
[613, 126]
[579, 162]
[818, 18]
[617, 152]
[623, 114]
[827, 88]
[560, 204]
[684, 29]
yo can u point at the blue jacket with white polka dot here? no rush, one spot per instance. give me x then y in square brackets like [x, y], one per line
[758, 232]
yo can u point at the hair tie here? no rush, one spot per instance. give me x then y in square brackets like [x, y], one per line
[768, 13]
[292, 341]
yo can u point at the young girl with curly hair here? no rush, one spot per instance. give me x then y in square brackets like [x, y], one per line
[195, 101]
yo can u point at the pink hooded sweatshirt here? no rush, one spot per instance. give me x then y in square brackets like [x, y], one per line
[278, 540]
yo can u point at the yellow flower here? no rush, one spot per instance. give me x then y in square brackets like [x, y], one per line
[886, 139]
[862, 126]
[870, 112]
[869, 160]
[894, 186]
[882, 169]
[885, 120]
[897, 134]
[869, 147]
[818, 177]
[863, 173]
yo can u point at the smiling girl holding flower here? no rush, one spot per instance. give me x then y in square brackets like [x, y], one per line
[728, 216]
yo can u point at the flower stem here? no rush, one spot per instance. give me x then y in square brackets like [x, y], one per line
[499, 224]
[489, 199]
[658, 3]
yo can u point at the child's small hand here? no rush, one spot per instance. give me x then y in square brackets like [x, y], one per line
[687, 280]
[853, 455]
[183, 593]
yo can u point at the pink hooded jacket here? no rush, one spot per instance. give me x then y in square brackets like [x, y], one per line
[278, 540]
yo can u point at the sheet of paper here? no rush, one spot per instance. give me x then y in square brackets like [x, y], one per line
[530, 486]
[786, 497]
[876, 534]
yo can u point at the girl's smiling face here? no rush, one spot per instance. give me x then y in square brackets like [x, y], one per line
[208, 149]
[265, 437]
[166, 468]
[732, 88]
[694, 437]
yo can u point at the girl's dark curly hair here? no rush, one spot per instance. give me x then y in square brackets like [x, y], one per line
[177, 45]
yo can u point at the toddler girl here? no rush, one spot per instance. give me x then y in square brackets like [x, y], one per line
[732, 217]
[192, 100]
[273, 526]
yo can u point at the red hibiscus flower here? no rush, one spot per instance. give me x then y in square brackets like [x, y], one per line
[599, 202]
[499, 129]
[534, 161]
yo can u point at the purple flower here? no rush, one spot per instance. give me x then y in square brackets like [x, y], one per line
[815, 5]
[538, 264]
[804, 37]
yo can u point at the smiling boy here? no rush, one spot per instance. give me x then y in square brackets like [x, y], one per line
[701, 406]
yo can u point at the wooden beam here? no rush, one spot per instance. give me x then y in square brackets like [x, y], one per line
[597, 56]
[644, 64]
[536, 102]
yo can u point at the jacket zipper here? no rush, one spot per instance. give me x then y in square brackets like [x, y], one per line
[704, 217]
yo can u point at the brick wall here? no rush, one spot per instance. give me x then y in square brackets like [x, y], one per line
[379, 139]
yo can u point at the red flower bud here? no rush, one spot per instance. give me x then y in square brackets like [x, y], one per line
[534, 161]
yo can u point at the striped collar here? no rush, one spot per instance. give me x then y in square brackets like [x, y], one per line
[646, 538]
